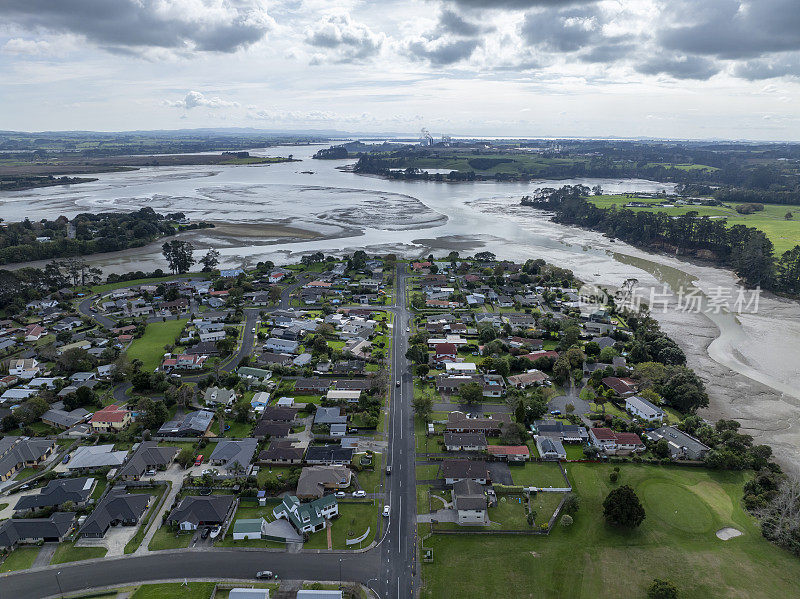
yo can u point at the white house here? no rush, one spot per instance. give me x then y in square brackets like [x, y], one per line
[24, 368]
[212, 336]
[641, 408]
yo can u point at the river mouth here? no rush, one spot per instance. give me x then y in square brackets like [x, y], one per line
[750, 363]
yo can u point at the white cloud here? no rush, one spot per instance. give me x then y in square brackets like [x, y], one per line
[26, 47]
[193, 99]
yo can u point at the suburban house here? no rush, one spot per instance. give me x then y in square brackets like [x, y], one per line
[469, 500]
[282, 452]
[623, 387]
[281, 346]
[550, 447]
[509, 453]
[313, 594]
[33, 530]
[641, 408]
[147, 457]
[64, 420]
[527, 379]
[235, 456]
[465, 441]
[307, 517]
[347, 395]
[115, 508]
[17, 453]
[92, 457]
[566, 433]
[459, 422]
[110, 419]
[611, 441]
[329, 416]
[315, 481]
[194, 512]
[453, 471]
[445, 352]
[329, 454]
[249, 528]
[681, 445]
[216, 396]
[193, 424]
[24, 368]
[57, 492]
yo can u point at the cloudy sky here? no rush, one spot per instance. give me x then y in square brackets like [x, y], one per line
[662, 68]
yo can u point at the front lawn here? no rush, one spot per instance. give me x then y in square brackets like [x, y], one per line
[677, 541]
[353, 521]
[164, 538]
[20, 559]
[149, 348]
[67, 552]
[174, 590]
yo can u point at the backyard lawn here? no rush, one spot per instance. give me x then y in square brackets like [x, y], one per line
[538, 474]
[677, 541]
[149, 348]
[67, 552]
[20, 559]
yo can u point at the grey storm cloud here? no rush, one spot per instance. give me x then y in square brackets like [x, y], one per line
[566, 30]
[734, 29]
[684, 67]
[767, 68]
[609, 52]
[443, 53]
[452, 22]
[130, 24]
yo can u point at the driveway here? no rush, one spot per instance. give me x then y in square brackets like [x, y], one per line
[114, 540]
[175, 475]
[440, 516]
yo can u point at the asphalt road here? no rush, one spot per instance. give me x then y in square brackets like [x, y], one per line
[389, 568]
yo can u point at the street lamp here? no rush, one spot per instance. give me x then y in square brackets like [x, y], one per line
[340, 573]
[58, 581]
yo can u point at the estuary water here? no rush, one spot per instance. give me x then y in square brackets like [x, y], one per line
[750, 361]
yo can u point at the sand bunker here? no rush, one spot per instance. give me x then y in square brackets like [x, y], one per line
[728, 533]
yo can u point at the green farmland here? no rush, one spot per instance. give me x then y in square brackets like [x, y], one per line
[784, 234]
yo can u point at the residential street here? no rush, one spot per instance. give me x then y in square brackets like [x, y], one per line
[389, 568]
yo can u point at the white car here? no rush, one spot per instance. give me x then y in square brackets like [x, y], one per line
[215, 532]
[340, 494]
[361, 493]
[408, 329]
[386, 510]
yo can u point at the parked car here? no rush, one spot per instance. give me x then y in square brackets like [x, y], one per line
[388, 469]
[361, 493]
[66, 459]
[205, 533]
[340, 494]
[265, 574]
[150, 472]
[555, 413]
[199, 460]
[397, 383]
[215, 532]
[386, 510]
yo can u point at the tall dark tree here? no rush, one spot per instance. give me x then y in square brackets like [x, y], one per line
[623, 508]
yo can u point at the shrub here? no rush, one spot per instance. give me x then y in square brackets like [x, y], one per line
[571, 504]
[613, 476]
[662, 589]
[566, 520]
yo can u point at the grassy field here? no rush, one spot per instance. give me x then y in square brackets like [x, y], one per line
[174, 590]
[20, 559]
[353, 521]
[684, 507]
[67, 552]
[537, 474]
[784, 234]
[164, 538]
[149, 348]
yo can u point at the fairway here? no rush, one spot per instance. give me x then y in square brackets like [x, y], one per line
[784, 234]
[149, 348]
[684, 507]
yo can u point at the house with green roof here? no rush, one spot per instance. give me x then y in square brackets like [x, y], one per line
[248, 528]
[307, 517]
